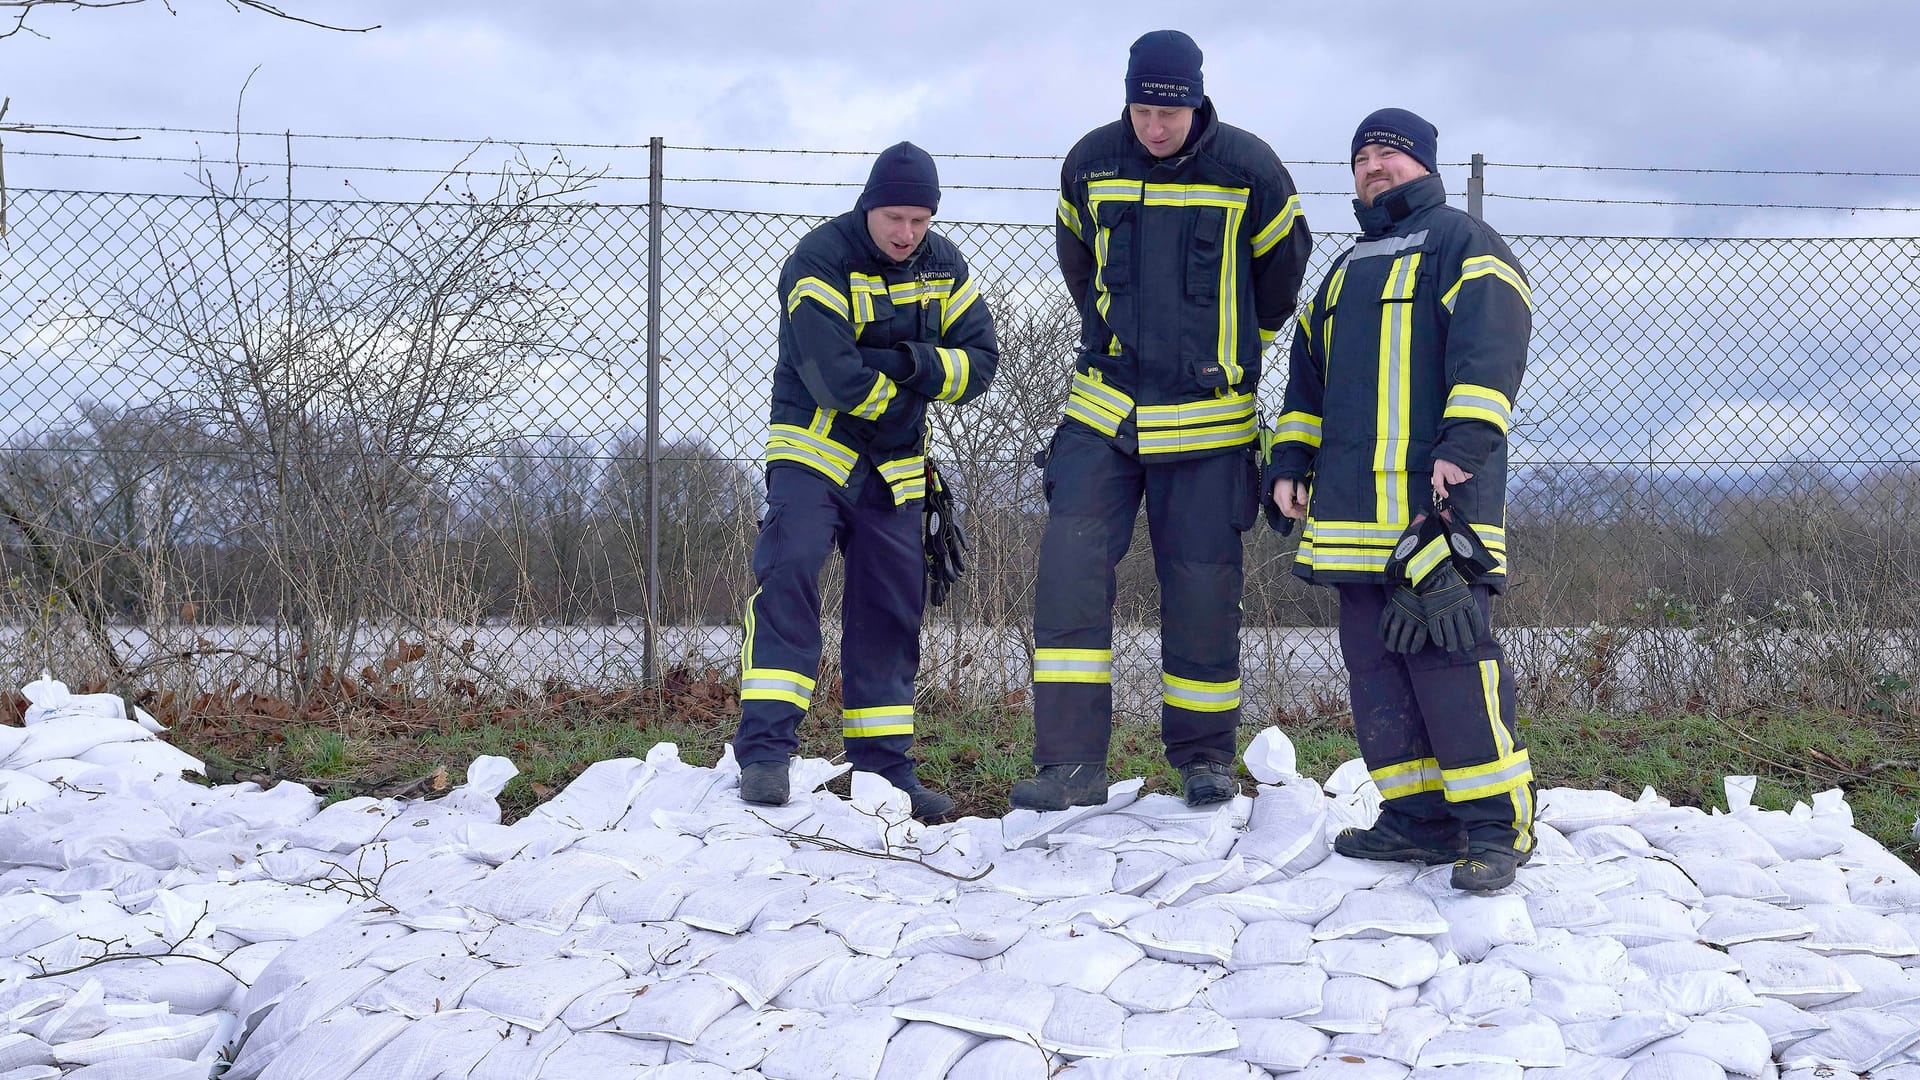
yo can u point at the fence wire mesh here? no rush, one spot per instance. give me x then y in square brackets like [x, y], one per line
[252, 442]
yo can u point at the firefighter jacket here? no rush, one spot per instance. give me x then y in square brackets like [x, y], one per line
[1412, 349]
[865, 343]
[1183, 269]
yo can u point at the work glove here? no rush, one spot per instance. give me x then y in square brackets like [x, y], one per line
[1454, 620]
[945, 540]
[1403, 622]
[1470, 554]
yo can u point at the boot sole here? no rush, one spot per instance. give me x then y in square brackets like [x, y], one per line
[1015, 802]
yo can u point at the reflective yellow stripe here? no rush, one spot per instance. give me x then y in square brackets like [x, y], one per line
[1196, 413]
[1490, 689]
[877, 398]
[957, 304]
[1198, 696]
[899, 722]
[955, 372]
[1498, 777]
[786, 442]
[1428, 559]
[1480, 403]
[1197, 425]
[1097, 405]
[746, 638]
[773, 684]
[1394, 407]
[812, 288]
[1188, 440]
[1297, 427]
[907, 477]
[1073, 665]
[1070, 217]
[1488, 266]
[1407, 778]
[1277, 229]
[862, 288]
[1228, 298]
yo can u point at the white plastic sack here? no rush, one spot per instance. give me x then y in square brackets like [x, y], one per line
[992, 1003]
[1277, 1045]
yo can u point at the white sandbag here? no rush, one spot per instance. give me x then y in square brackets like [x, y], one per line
[598, 797]
[189, 985]
[1659, 876]
[1084, 961]
[927, 976]
[731, 906]
[1583, 1067]
[840, 982]
[137, 1069]
[534, 995]
[1004, 1059]
[1332, 1066]
[866, 926]
[1647, 919]
[1806, 882]
[1160, 985]
[448, 1043]
[1732, 921]
[1884, 984]
[1185, 884]
[547, 892]
[1883, 889]
[798, 908]
[1792, 973]
[1737, 1044]
[850, 1045]
[1302, 899]
[1386, 910]
[1719, 876]
[1405, 1032]
[1858, 1039]
[1353, 875]
[1623, 1035]
[301, 1010]
[1182, 1031]
[411, 949]
[1102, 912]
[1784, 1024]
[1186, 935]
[1573, 1003]
[256, 911]
[1573, 809]
[71, 736]
[1040, 874]
[19, 1050]
[1476, 925]
[651, 899]
[17, 789]
[1842, 928]
[976, 935]
[1397, 961]
[761, 965]
[1690, 993]
[1479, 1070]
[992, 1003]
[424, 988]
[143, 757]
[1082, 1024]
[1560, 956]
[328, 1050]
[1674, 957]
[676, 1009]
[1675, 1067]
[1566, 910]
[1271, 942]
[1465, 993]
[1826, 1072]
[1276, 992]
[1134, 872]
[920, 1050]
[1277, 1045]
[1349, 1003]
[168, 1036]
[643, 850]
[1515, 1037]
[1794, 839]
[1602, 842]
[511, 945]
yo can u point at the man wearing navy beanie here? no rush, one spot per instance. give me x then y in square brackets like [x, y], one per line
[1181, 242]
[1403, 504]
[879, 317]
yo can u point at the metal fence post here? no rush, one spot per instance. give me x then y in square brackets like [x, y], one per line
[1477, 187]
[656, 154]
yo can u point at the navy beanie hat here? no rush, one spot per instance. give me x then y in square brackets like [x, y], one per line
[1163, 68]
[903, 175]
[1401, 130]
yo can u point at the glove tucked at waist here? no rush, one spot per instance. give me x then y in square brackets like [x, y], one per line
[946, 541]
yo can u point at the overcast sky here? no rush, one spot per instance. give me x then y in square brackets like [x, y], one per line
[1754, 84]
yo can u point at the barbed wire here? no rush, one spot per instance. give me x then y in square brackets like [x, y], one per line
[955, 155]
[1682, 202]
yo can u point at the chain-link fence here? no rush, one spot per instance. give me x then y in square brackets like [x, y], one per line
[253, 442]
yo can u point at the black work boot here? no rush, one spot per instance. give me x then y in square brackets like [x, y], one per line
[764, 783]
[1488, 868]
[930, 807]
[1384, 843]
[1057, 787]
[1205, 782]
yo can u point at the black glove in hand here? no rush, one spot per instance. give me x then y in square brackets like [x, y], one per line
[946, 541]
[1453, 618]
[1403, 622]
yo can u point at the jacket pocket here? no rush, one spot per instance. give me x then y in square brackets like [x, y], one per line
[1113, 245]
[1246, 491]
[1206, 245]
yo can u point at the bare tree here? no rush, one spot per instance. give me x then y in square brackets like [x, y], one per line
[18, 11]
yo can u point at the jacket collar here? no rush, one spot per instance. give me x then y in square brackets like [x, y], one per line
[854, 224]
[1395, 205]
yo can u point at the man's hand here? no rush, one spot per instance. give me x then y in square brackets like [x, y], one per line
[1291, 497]
[1446, 472]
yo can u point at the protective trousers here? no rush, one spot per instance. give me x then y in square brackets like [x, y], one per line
[1197, 509]
[1437, 730]
[807, 517]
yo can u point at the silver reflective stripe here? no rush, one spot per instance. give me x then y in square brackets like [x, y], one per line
[1338, 532]
[1101, 667]
[1508, 777]
[787, 686]
[1391, 245]
[1491, 404]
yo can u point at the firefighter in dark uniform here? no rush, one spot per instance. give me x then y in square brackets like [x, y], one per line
[1404, 370]
[1181, 242]
[878, 317]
